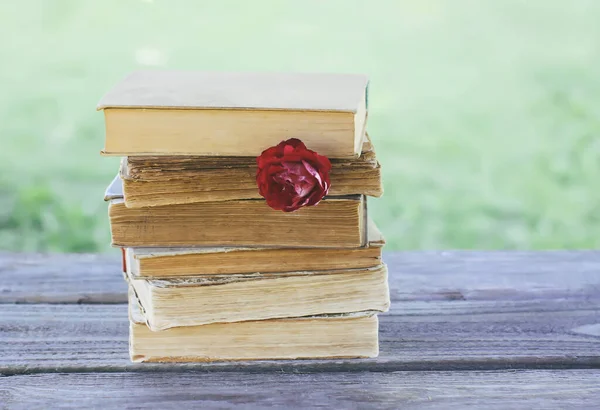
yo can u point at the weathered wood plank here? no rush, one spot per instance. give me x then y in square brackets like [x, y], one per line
[545, 389]
[477, 275]
[61, 278]
[46, 338]
[414, 276]
[451, 310]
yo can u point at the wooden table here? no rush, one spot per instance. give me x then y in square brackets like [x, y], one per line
[487, 329]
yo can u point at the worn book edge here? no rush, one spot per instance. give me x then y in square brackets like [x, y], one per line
[197, 343]
[367, 151]
[160, 316]
[137, 312]
[114, 194]
[211, 280]
[375, 239]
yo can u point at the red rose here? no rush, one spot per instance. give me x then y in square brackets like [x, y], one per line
[290, 176]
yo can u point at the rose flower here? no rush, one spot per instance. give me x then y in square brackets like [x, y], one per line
[290, 176]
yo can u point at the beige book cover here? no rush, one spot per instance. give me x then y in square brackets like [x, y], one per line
[168, 180]
[165, 263]
[218, 113]
[239, 298]
[334, 223]
[237, 90]
[318, 337]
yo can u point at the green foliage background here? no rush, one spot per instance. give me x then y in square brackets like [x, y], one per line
[485, 114]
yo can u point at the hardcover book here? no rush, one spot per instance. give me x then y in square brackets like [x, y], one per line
[238, 298]
[335, 223]
[169, 180]
[234, 114]
[166, 263]
[318, 337]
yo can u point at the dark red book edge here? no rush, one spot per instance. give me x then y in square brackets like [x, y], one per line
[123, 261]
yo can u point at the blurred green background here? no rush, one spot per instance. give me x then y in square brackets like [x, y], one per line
[485, 114]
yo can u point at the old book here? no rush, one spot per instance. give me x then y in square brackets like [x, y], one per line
[165, 263]
[334, 223]
[238, 298]
[166, 180]
[319, 337]
[234, 114]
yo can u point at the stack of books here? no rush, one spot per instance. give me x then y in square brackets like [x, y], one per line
[240, 206]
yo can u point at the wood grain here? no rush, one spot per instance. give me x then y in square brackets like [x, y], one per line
[516, 277]
[545, 389]
[61, 278]
[468, 275]
[459, 325]
[450, 310]
[48, 338]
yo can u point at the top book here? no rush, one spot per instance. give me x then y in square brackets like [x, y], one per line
[234, 114]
